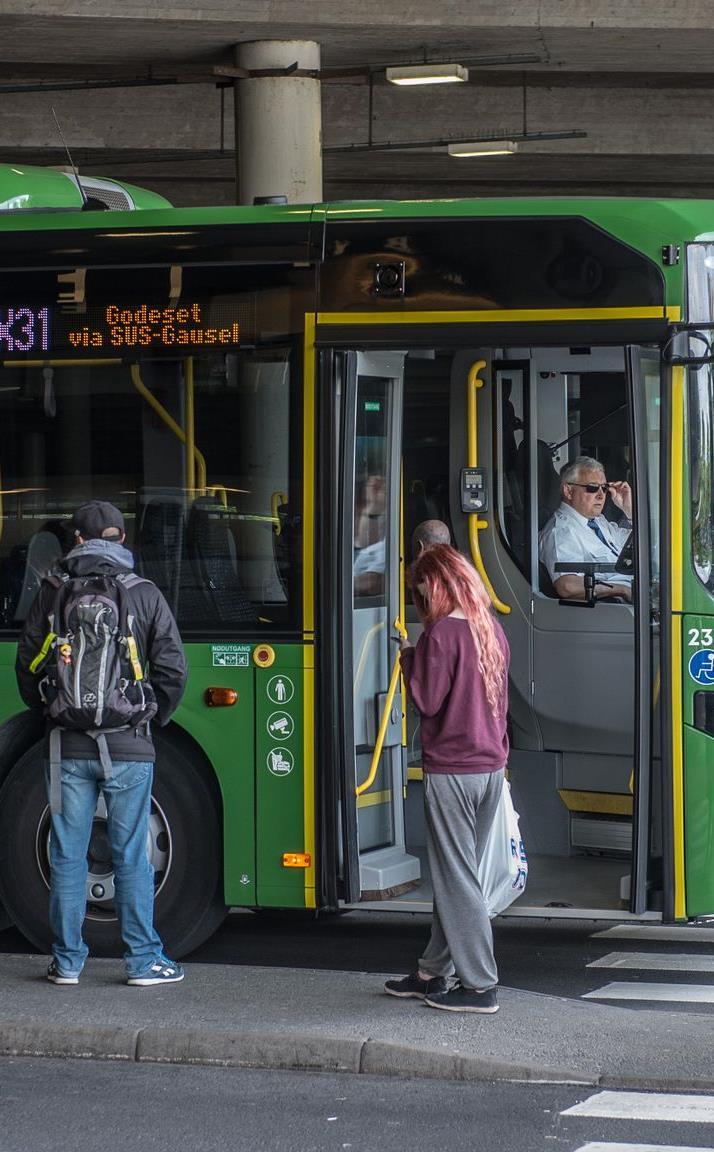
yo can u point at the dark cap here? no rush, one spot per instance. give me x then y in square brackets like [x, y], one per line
[98, 519]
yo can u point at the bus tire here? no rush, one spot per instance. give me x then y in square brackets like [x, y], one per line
[185, 845]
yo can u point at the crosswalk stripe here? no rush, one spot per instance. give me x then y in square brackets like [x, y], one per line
[662, 961]
[676, 1107]
[606, 1146]
[675, 993]
[656, 932]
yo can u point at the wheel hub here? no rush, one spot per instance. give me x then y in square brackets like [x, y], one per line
[101, 890]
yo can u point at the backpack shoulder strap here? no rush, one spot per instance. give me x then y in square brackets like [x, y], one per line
[61, 582]
[56, 579]
[125, 581]
[130, 579]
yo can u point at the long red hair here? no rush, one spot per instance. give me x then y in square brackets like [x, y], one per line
[442, 581]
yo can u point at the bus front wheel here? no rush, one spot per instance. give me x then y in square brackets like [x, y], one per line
[183, 845]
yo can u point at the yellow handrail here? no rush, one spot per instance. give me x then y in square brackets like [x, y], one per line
[475, 382]
[379, 743]
[218, 490]
[402, 588]
[60, 363]
[163, 414]
[276, 500]
[190, 422]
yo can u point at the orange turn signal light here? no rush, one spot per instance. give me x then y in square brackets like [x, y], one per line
[220, 697]
[296, 859]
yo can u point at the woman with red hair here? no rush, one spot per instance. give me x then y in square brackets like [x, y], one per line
[457, 677]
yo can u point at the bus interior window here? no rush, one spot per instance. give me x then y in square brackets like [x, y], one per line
[426, 440]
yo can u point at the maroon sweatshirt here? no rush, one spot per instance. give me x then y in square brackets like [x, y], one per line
[459, 730]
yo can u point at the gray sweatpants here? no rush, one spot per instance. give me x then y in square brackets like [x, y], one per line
[459, 811]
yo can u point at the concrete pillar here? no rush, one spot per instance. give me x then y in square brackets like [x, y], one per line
[279, 123]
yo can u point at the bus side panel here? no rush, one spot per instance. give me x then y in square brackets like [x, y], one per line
[10, 702]
[699, 816]
[226, 735]
[698, 679]
[280, 778]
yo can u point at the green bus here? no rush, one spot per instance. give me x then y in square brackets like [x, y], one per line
[275, 396]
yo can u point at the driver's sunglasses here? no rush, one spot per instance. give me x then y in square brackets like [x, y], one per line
[591, 488]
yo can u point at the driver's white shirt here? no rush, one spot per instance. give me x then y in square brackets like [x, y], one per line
[567, 538]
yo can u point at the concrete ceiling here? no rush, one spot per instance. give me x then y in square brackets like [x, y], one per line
[134, 89]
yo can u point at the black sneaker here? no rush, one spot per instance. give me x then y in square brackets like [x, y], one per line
[460, 999]
[56, 977]
[416, 988]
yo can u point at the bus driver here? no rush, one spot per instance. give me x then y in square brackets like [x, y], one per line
[578, 533]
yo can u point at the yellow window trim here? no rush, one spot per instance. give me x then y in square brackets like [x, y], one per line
[499, 316]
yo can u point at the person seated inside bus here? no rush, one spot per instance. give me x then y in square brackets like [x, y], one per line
[578, 533]
[427, 534]
[370, 526]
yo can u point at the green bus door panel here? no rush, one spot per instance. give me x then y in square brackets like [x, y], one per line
[227, 736]
[256, 747]
[698, 741]
[283, 780]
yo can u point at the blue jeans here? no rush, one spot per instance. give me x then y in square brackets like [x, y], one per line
[127, 795]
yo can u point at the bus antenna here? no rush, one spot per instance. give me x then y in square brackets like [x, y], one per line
[88, 203]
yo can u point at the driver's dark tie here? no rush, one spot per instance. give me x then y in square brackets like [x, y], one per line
[593, 524]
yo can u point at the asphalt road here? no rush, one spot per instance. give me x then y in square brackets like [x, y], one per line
[85, 1105]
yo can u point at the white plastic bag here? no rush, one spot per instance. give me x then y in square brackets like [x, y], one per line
[503, 870]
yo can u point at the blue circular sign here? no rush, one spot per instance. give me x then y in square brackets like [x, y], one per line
[701, 666]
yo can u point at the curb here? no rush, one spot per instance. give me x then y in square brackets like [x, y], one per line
[302, 1051]
[299, 1051]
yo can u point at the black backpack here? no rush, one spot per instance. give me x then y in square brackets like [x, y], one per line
[93, 677]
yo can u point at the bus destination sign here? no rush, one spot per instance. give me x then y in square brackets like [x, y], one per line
[52, 332]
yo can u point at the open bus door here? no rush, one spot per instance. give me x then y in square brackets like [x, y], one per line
[368, 575]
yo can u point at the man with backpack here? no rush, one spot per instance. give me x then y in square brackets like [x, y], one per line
[82, 658]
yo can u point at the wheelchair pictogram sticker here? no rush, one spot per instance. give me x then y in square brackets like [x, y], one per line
[280, 761]
[701, 667]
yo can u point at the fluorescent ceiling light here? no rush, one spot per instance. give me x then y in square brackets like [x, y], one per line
[484, 148]
[428, 74]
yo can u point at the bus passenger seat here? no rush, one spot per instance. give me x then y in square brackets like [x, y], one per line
[212, 552]
[43, 552]
[160, 543]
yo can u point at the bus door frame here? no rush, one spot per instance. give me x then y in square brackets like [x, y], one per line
[644, 665]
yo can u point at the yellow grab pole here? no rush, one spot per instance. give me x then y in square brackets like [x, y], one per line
[168, 420]
[190, 428]
[379, 743]
[474, 382]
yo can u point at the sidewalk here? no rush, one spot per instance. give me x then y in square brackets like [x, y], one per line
[341, 1021]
